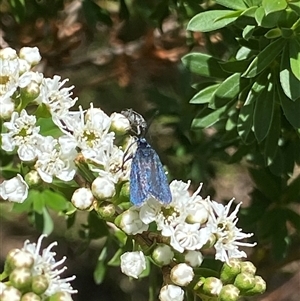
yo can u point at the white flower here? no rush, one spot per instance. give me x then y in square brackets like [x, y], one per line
[171, 292]
[103, 188]
[162, 254]
[82, 198]
[57, 99]
[223, 226]
[133, 263]
[182, 274]
[55, 159]
[45, 264]
[30, 54]
[7, 107]
[130, 222]
[14, 190]
[189, 237]
[23, 133]
[193, 258]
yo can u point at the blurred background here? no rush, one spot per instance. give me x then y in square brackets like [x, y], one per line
[127, 54]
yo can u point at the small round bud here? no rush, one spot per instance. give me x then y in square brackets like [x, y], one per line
[106, 211]
[39, 284]
[18, 259]
[82, 198]
[60, 296]
[31, 297]
[7, 108]
[10, 293]
[33, 178]
[103, 188]
[129, 221]
[171, 292]
[119, 124]
[244, 282]
[229, 293]
[162, 254]
[125, 191]
[198, 213]
[20, 278]
[230, 271]
[193, 258]
[212, 286]
[259, 288]
[30, 54]
[133, 263]
[31, 91]
[182, 274]
[8, 53]
[248, 266]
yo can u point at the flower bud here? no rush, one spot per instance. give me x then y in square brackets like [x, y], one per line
[30, 54]
[31, 297]
[259, 288]
[198, 213]
[33, 178]
[133, 263]
[119, 124]
[182, 274]
[7, 107]
[10, 293]
[14, 190]
[103, 188]
[171, 292]
[162, 254]
[106, 211]
[230, 271]
[229, 293]
[8, 53]
[18, 259]
[244, 281]
[129, 221]
[124, 193]
[39, 284]
[193, 258]
[82, 198]
[248, 266]
[60, 296]
[30, 92]
[20, 278]
[212, 286]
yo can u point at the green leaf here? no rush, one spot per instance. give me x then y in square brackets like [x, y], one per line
[294, 49]
[226, 91]
[267, 21]
[204, 64]
[271, 145]
[294, 218]
[208, 117]
[237, 4]
[115, 260]
[289, 83]
[265, 58]
[271, 6]
[101, 267]
[48, 222]
[48, 128]
[235, 66]
[55, 200]
[248, 31]
[38, 202]
[245, 119]
[290, 108]
[273, 33]
[211, 20]
[263, 112]
[205, 95]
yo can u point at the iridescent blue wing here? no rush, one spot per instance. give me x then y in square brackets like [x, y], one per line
[158, 182]
[139, 189]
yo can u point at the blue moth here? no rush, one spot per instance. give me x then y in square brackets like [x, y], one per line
[147, 175]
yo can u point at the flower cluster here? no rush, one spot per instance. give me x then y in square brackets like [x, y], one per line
[33, 274]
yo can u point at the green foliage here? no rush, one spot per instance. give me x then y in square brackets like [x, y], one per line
[254, 98]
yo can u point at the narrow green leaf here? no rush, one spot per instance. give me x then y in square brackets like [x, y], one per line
[263, 112]
[273, 33]
[48, 222]
[235, 66]
[248, 31]
[290, 108]
[208, 117]
[205, 95]
[271, 6]
[226, 91]
[289, 83]
[101, 267]
[210, 20]
[204, 64]
[265, 58]
[245, 119]
[294, 49]
[237, 4]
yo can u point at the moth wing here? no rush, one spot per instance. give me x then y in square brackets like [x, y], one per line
[139, 188]
[157, 179]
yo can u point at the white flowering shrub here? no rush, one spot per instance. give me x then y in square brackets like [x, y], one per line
[57, 145]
